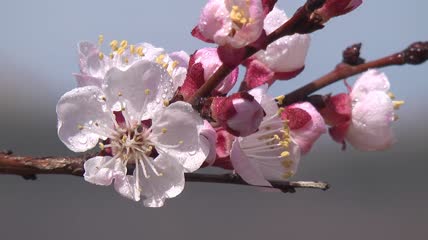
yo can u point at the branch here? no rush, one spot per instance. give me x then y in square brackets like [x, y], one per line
[416, 53]
[303, 21]
[28, 167]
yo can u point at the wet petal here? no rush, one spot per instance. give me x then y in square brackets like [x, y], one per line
[370, 128]
[176, 132]
[82, 118]
[141, 89]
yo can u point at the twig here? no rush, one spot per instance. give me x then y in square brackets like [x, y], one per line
[28, 167]
[416, 53]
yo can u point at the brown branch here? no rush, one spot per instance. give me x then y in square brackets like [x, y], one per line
[416, 53]
[303, 21]
[29, 167]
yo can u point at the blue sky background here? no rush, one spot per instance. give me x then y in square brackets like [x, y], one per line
[374, 195]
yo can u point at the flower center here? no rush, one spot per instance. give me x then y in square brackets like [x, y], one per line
[239, 18]
[131, 144]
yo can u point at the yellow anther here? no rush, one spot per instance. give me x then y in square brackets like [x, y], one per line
[80, 127]
[132, 49]
[397, 104]
[114, 45]
[288, 174]
[101, 146]
[119, 94]
[160, 58]
[163, 130]
[166, 103]
[101, 56]
[284, 143]
[124, 44]
[280, 99]
[287, 163]
[285, 154]
[100, 39]
[111, 55]
[180, 142]
[120, 50]
[276, 137]
[280, 111]
[124, 137]
[147, 91]
[238, 16]
[174, 64]
[140, 51]
[391, 95]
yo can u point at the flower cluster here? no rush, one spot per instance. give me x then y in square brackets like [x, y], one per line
[135, 104]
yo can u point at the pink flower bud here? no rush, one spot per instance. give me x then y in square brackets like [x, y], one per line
[202, 65]
[233, 23]
[334, 8]
[365, 115]
[240, 114]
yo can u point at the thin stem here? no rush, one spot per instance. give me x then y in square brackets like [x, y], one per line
[416, 53]
[28, 167]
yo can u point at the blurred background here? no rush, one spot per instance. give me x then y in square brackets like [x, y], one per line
[379, 195]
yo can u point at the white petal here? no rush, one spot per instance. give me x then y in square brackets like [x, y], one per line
[247, 169]
[267, 102]
[208, 137]
[288, 53]
[176, 132]
[141, 88]
[79, 111]
[125, 186]
[86, 48]
[370, 128]
[274, 20]
[155, 189]
[372, 80]
[86, 80]
[102, 170]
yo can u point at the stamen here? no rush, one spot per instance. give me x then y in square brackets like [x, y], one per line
[124, 44]
[280, 99]
[397, 104]
[101, 56]
[100, 39]
[166, 103]
[140, 51]
[288, 174]
[114, 45]
[287, 163]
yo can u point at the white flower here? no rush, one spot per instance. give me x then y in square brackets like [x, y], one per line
[372, 113]
[94, 64]
[129, 112]
[270, 153]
